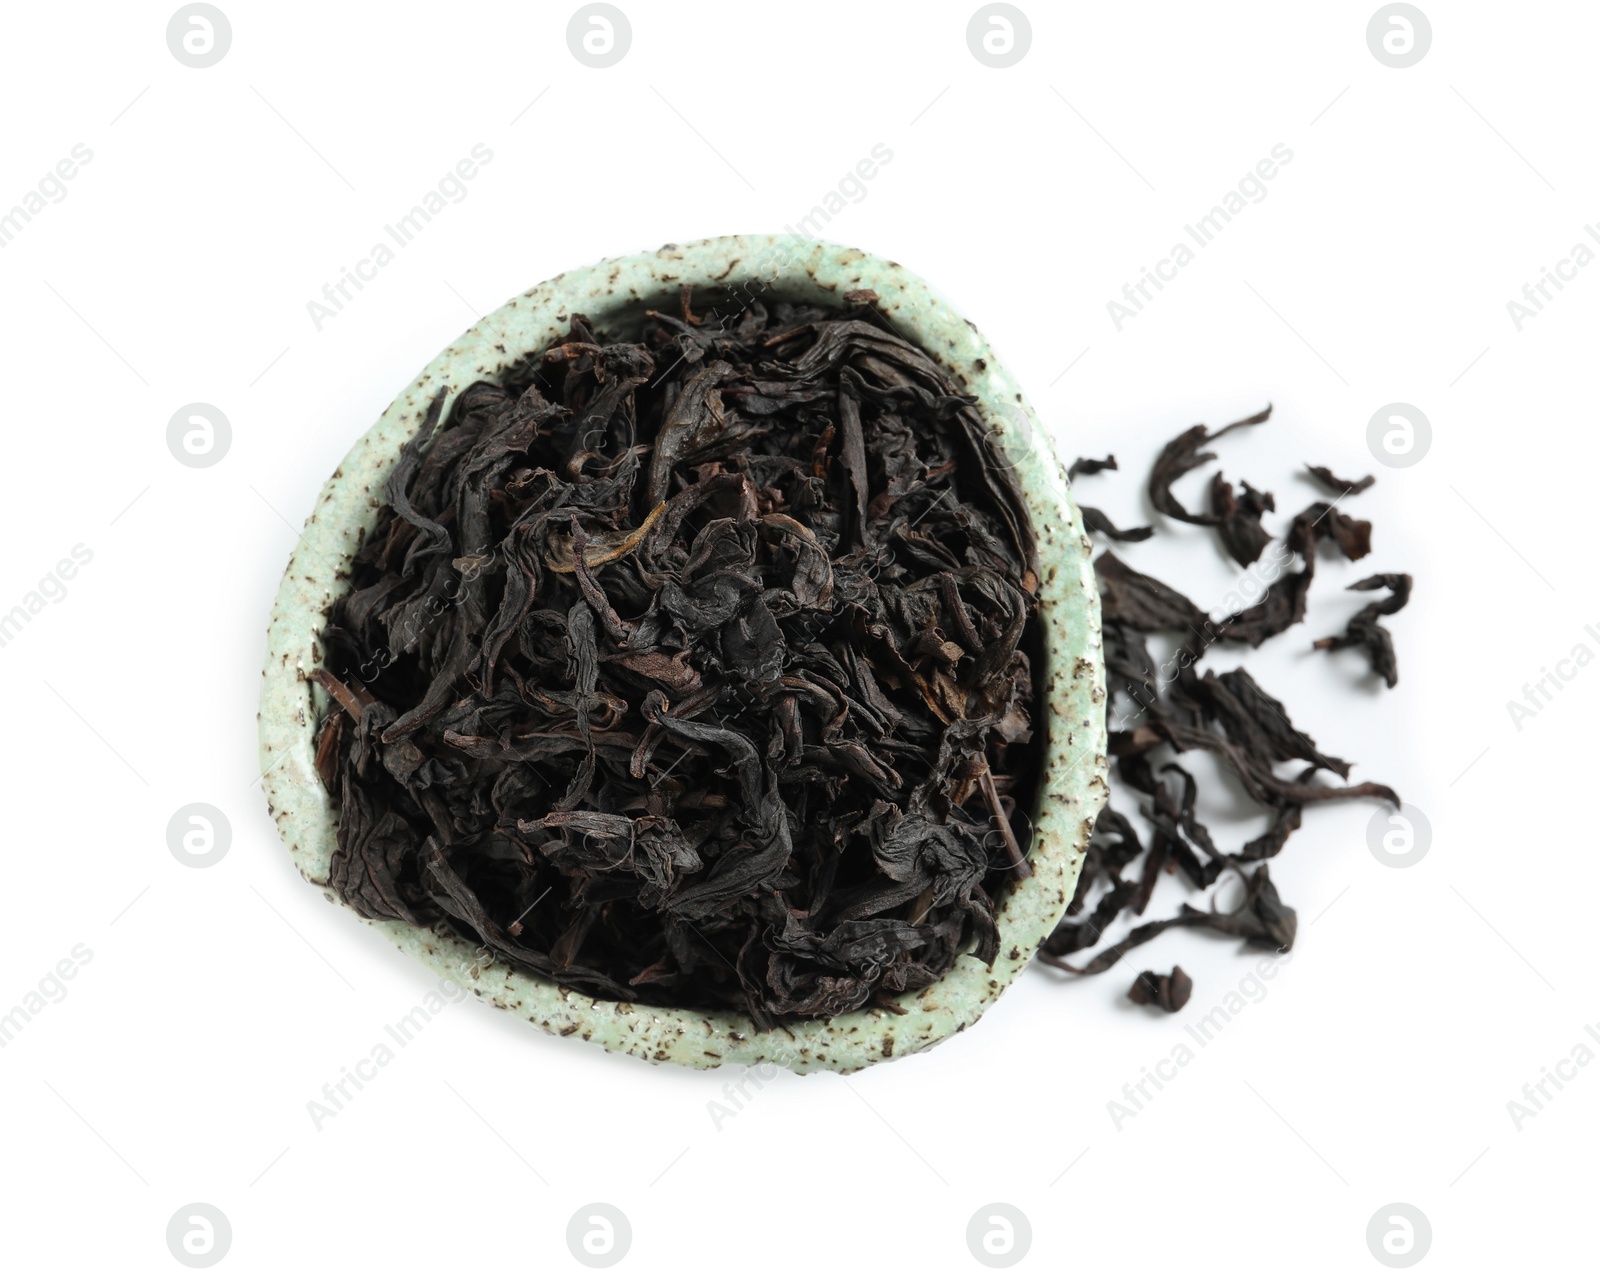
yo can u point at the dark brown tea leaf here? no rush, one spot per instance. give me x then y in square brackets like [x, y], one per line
[695, 668]
[1090, 467]
[1095, 520]
[1238, 518]
[1364, 632]
[1183, 455]
[1167, 991]
[1155, 712]
[1338, 486]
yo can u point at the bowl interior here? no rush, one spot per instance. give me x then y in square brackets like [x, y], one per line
[728, 274]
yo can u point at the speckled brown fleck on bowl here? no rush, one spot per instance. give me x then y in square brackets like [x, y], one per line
[614, 293]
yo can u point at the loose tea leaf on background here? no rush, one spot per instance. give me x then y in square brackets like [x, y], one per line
[1141, 601]
[1090, 467]
[1155, 712]
[1238, 518]
[1366, 633]
[1167, 991]
[1182, 455]
[1337, 485]
[1095, 520]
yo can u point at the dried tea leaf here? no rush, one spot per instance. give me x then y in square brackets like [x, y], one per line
[1154, 711]
[1338, 486]
[1364, 632]
[1142, 602]
[1257, 723]
[1095, 520]
[1182, 455]
[1284, 603]
[1238, 518]
[1323, 521]
[1261, 919]
[1167, 991]
[1090, 467]
[598, 550]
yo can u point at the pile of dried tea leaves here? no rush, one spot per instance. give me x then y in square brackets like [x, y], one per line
[1155, 713]
[694, 669]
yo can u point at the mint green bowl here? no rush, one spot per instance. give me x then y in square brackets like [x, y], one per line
[1072, 727]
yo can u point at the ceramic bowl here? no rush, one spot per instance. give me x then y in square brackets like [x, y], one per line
[615, 293]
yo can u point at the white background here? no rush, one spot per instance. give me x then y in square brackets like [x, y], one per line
[218, 1002]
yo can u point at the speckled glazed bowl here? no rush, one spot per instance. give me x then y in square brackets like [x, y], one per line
[614, 294]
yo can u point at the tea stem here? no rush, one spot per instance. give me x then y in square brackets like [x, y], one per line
[1008, 838]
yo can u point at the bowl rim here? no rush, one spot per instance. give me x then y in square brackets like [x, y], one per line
[1072, 783]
